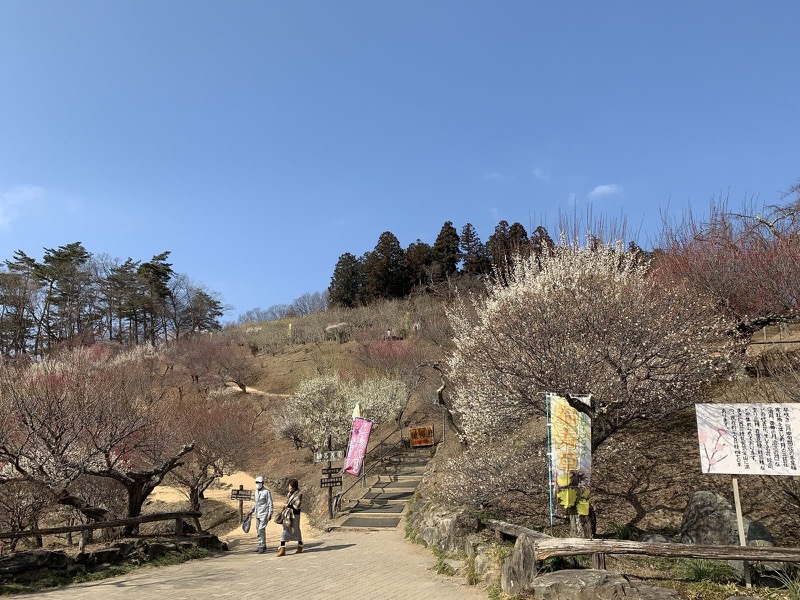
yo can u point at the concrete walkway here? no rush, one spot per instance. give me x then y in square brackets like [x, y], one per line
[355, 565]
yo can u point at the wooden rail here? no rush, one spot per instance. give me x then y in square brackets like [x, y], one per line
[84, 528]
[546, 546]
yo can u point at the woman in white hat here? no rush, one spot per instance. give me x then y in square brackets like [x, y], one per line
[262, 508]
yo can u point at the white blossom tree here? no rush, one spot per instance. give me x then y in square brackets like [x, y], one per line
[581, 320]
[324, 406]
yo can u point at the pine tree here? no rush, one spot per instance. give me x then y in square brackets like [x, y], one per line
[445, 253]
[418, 261]
[385, 271]
[474, 253]
[348, 283]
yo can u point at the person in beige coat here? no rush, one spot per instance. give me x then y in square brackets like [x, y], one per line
[291, 521]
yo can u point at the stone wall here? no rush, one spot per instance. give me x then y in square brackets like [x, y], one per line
[35, 564]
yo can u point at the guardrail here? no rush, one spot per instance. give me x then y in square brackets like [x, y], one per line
[84, 528]
[375, 462]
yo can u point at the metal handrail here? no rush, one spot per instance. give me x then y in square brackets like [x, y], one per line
[337, 499]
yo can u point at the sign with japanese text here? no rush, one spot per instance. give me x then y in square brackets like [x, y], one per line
[329, 455]
[570, 453]
[749, 439]
[421, 436]
[357, 448]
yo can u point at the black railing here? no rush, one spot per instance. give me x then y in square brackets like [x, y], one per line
[376, 461]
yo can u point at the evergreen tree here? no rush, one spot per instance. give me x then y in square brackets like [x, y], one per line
[348, 283]
[154, 277]
[541, 241]
[445, 253]
[474, 253]
[418, 261]
[385, 271]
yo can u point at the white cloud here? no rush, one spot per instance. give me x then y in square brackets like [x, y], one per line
[572, 198]
[498, 176]
[608, 189]
[542, 174]
[17, 199]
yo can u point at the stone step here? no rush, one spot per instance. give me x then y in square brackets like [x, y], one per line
[396, 485]
[380, 497]
[406, 476]
[367, 509]
[374, 523]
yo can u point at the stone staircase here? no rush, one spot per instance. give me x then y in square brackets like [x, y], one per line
[383, 505]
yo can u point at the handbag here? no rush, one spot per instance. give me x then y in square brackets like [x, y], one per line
[278, 518]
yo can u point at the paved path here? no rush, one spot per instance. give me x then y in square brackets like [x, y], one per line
[356, 565]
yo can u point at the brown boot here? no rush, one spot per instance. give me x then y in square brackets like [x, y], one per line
[299, 550]
[282, 551]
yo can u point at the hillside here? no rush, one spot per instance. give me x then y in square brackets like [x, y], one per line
[646, 489]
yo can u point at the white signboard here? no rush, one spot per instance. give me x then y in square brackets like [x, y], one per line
[749, 439]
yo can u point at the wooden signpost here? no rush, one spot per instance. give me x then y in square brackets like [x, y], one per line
[241, 495]
[330, 482]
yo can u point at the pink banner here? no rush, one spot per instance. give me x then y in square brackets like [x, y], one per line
[358, 446]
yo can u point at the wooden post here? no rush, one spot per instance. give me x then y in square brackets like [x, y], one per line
[241, 504]
[740, 525]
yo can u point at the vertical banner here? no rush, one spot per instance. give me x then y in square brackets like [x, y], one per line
[570, 454]
[357, 447]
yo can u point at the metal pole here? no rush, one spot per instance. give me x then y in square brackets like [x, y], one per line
[330, 488]
[549, 460]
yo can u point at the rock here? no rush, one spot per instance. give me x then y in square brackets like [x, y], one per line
[457, 566]
[519, 569]
[157, 549]
[710, 519]
[32, 560]
[593, 585]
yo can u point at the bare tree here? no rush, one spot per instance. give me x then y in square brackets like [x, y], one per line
[747, 261]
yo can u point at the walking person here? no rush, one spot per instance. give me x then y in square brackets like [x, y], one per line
[262, 508]
[291, 522]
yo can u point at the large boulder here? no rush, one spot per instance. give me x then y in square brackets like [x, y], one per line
[591, 584]
[710, 519]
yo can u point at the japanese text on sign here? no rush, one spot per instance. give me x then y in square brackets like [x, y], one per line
[755, 439]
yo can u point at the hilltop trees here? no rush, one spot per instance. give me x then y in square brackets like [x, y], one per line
[73, 298]
[348, 284]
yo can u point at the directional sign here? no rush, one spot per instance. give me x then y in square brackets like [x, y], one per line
[329, 455]
[241, 494]
[331, 471]
[330, 482]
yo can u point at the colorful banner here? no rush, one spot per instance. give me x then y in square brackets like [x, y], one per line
[357, 448]
[749, 439]
[570, 454]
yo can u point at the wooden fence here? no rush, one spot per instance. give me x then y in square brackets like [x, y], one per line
[179, 517]
[546, 546]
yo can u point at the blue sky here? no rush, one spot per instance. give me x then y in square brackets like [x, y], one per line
[259, 141]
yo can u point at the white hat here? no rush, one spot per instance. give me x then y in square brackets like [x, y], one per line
[259, 479]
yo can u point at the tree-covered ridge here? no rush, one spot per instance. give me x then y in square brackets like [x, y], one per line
[389, 271]
[73, 297]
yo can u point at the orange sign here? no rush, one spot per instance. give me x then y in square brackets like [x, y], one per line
[421, 436]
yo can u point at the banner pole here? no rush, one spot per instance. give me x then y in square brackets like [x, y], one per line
[740, 524]
[549, 460]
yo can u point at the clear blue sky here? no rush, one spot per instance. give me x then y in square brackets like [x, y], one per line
[260, 140]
